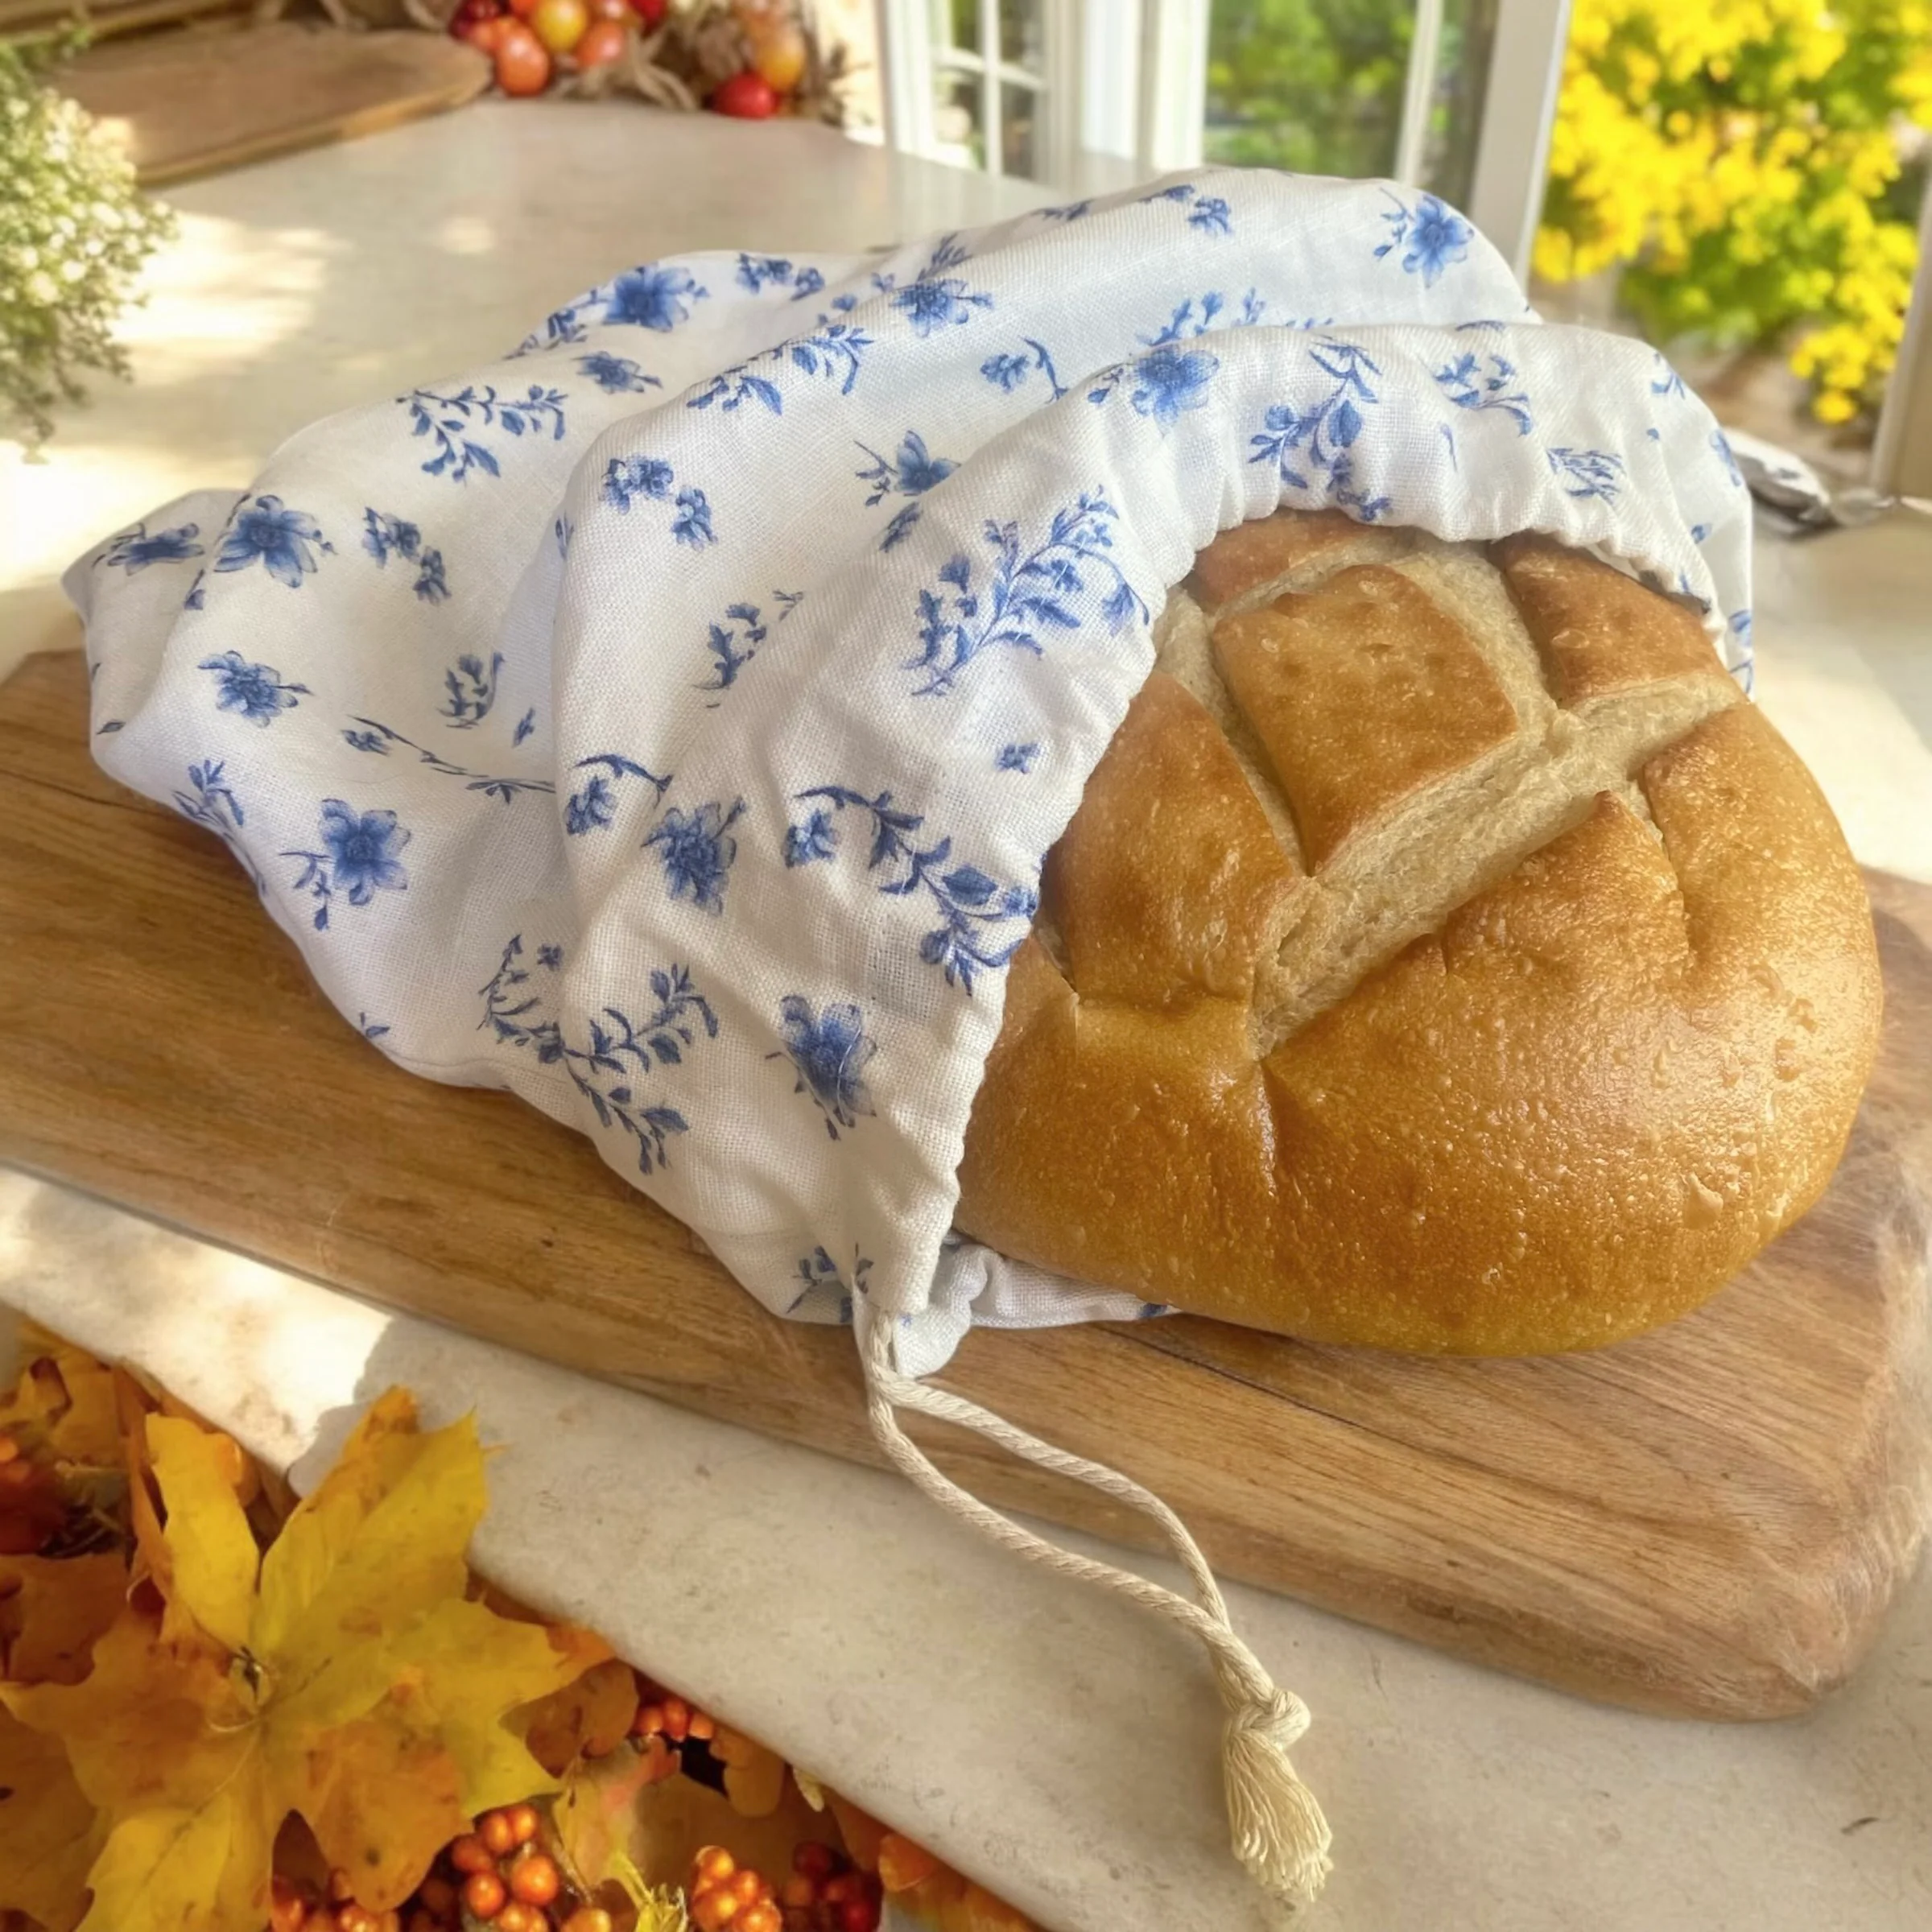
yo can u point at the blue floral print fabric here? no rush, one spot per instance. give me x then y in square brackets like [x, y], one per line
[667, 721]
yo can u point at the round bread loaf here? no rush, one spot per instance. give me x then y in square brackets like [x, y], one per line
[1444, 956]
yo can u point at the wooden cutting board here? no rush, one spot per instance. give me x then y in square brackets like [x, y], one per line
[1709, 1519]
[189, 103]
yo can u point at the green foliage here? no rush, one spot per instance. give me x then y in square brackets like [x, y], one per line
[74, 231]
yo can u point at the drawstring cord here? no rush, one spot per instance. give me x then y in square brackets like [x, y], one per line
[1278, 1831]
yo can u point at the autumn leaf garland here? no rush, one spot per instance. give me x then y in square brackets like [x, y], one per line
[343, 1675]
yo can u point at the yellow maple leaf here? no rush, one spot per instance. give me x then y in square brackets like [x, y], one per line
[51, 1609]
[343, 1675]
[48, 1839]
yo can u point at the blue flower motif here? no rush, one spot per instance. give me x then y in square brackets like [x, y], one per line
[1669, 382]
[364, 846]
[934, 299]
[1432, 237]
[698, 850]
[829, 1052]
[807, 282]
[814, 839]
[913, 471]
[755, 272]
[525, 725]
[1210, 215]
[430, 585]
[197, 592]
[615, 375]
[254, 690]
[655, 296]
[385, 536]
[899, 528]
[277, 538]
[1170, 381]
[134, 550]
[358, 858]
[693, 523]
[589, 809]
[626, 478]
[1721, 444]
[1017, 757]
[550, 957]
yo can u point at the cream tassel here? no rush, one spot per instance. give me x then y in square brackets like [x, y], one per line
[1278, 1831]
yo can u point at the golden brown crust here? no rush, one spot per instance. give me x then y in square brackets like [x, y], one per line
[1361, 692]
[1570, 1109]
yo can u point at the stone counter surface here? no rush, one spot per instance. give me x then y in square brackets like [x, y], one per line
[1055, 1744]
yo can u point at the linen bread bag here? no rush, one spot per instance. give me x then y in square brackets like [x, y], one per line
[751, 714]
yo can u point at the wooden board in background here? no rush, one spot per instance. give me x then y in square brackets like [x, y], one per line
[1710, 1520]
[195, 101]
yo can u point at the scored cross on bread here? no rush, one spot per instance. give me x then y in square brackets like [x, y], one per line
[1444, 956]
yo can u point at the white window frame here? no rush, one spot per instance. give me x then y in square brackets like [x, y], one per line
[911, 63]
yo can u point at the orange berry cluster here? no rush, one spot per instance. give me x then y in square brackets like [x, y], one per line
[827, 1892]
[501, 1878]
[290, 1909]
[722, 1893]
[663, 1714]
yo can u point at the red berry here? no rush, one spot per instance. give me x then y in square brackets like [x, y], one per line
[745, 96]
[858, 1915]
[652, 12]
[815, 1860]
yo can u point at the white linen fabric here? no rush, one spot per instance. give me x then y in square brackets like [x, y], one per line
[667, 721]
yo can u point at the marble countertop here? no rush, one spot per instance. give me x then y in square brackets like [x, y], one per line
[1055, 1744]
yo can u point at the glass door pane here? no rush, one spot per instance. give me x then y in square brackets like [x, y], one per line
[1317, 86]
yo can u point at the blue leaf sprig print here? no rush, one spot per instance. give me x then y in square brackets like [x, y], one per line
[627, 479]
[256, 690]
[742, 625]
[759, 272]
[357, 859]
[267, 532]
[1199, 315]
[976, 913]
[1208, 213]
[836, 352]
[1009, 371]
[1474, 382]
[453, 422]
[210, 802]
[470, 689]
[373, 737]
[1321, 437]
[1023, 594]
[615, 1055]
[592, 808]
[1431, 236]
[384, 536]
[821, 1281]
[133, 551]
[698, 851]
[829, 1052]
[1588, 472]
